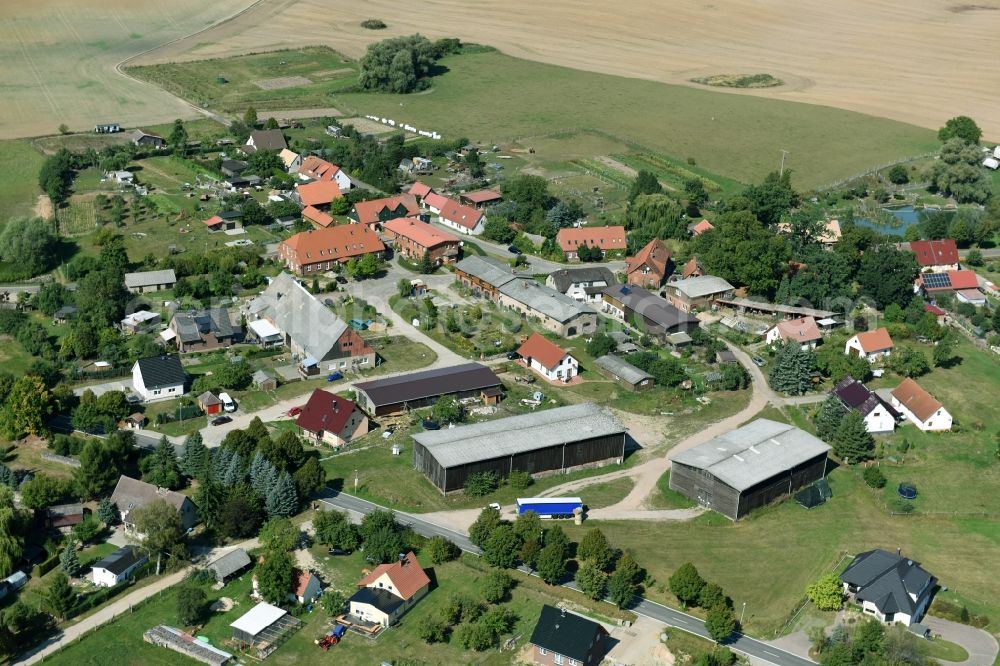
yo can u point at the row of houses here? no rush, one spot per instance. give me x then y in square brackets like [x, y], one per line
[882, 410]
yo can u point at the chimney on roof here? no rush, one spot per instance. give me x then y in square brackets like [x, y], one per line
[402, 559]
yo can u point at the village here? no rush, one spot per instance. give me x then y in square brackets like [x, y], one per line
[312, 389]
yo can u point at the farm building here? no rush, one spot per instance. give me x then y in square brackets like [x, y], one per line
[480, 198]
[263, 628]
[623, 372]
[483, 276]
[698, 292]
[229, 565]
[187, 645]
[552, 440]
[645, 311]
[145, 281]
[558, 313]
[117, 566]
[419, 389]
[749, 467]
[145, 139]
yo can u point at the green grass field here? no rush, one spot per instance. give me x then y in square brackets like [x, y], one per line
[230, 85]
[19, 165]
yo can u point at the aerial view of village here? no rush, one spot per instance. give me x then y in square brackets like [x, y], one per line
[443, 333]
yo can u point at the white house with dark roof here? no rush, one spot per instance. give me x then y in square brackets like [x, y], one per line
[890, 588]
[879, 415]
[583, 284]
[132, 494]
[145, 281]
[117, 567]
[158, 377]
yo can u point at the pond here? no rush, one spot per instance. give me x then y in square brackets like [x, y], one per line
[906, 216]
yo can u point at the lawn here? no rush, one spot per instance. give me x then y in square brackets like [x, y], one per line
[19, 165]
[600, 495]
[293, 79]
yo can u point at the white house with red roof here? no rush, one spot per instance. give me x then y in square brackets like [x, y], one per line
[420, 190]
[306, 586]
[329, 419]
[803, 330]
[920, 407]
[316, 168]
[606, 239]
[548, 359]
[934, 255]
[461, 218]
[386, 593]
[870, 345]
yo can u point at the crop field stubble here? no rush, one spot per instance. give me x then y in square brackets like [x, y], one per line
[921, 61]
[58, 58]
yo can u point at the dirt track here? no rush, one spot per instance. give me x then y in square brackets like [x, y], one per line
[920, 61]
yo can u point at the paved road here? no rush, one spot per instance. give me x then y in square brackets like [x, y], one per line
[750, 646]
[988, 253]
[981, 645]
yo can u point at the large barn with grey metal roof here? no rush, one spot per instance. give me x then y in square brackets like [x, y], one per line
[551, 440]
[749, 467]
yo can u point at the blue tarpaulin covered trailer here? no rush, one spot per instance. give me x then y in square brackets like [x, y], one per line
[549, 507]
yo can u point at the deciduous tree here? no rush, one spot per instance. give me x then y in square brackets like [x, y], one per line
[161, 527]
[720, 622]
[686, 584]
[502, 546]
[191, 604]
[591, 580]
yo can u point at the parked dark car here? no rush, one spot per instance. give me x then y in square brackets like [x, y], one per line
[341, 279]
[513, 249]
[339, 551]
[334, 376]
[221, 420]
[431, 425]
[513, 356]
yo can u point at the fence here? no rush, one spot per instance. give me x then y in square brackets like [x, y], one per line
[65, 460]
[864, 174]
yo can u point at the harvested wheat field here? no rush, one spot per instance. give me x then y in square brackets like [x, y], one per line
[919, 61]
[58, 61]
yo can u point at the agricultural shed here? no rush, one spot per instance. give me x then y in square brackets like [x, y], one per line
[229, 565]
[749, 467]
[623, 372]
[551, 440]
[419, 389]
[187, 645]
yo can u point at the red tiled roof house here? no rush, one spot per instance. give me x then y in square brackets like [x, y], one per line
[464, 219]
[548, 359]
[936, 255]
[329, 419]
[386, 593]
[320, 250]
[870, 345]
[804, 331]
[316, 168]
[377, 212]
[413, 239]
[606, 239]
[650, 265]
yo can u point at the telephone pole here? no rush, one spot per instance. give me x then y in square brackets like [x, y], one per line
[781, 169]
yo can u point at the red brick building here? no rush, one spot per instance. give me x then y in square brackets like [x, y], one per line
[414, 239]
[606, 239]
[319, 250]
[650, 265]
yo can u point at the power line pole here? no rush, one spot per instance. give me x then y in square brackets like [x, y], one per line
[781, 169]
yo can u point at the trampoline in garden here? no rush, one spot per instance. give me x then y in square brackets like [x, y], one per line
[907, 491]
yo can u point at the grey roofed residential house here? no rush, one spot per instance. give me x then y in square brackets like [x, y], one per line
[203, 329]
[131, 494]
[540, 299]
[591, 280]
[890, 586]
[309, 325]
[229, 564]
[144, 281]
[271, 139]
[624, 371]
[517, 434]
[657, 315]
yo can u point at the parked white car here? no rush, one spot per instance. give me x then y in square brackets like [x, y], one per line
[228, 403]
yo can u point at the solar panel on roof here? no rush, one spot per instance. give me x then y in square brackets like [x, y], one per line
[937, 280]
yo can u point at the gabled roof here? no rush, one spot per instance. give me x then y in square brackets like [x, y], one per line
[482, 196]
[325, 411]
[487, 269]
[873, 341]
[121, 560]
[935, 252]
[419, 232]
[949, 281]
[934, 310]
[161, 371]
[302, 578]
[887, 580]
[271, 139]
[230, 563]
[336, 243]
[150, 278]
[317, 216]
[463, 216]
[855, 395]
[407, 576]
[428, 383]
[319, 193]
[419, 189]
[380, 598]
[655, 254]
[288, 157]
[703, 285]
[543, 350]
[622, 369]
[543, 300]
[692, 267]
[654, 310]
[753, 453]
[605, 238]
[295, 311]
[802, 330]
[435, 200]
[367, 212]
[209, 398]
[701, 227]
[317, 168]
[912, 396]
[132, 493]
[564, 278]
[565, 633]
